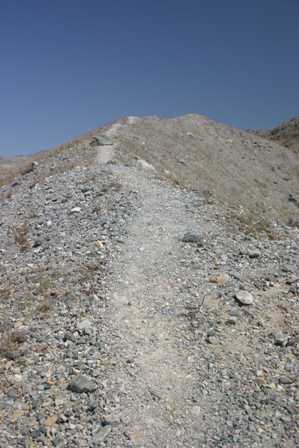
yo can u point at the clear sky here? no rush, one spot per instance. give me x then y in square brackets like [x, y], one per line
[67, 66]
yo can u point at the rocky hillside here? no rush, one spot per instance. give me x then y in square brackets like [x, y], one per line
[286, 134]
[254, 178]
[134, 312]
[12, 167]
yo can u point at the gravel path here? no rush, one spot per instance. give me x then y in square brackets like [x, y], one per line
[142, 286]
[174, 381]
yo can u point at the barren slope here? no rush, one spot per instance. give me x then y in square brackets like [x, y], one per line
[287, 134]
[132, 315]
[239, 169]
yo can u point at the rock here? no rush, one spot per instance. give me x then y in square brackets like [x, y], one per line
[196, 411]
[92, 405]
[101, 140]
[85, 326]
[293, 341]
[144, 165]
[82, 383]
[37, 243]
[211, 332]
[253, 253]
[101, 433]
[191, 237]
[232, 320]
[211, 339]
[286, 380]
[76, 210]
[244, 297]
[280, 339]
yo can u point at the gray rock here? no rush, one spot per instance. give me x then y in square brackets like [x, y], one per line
[286, 380]
[253, 253]
[82, 383]
[280, 339]
[92, 405]
[211, 332]
[85, 326]
[101, 140]
[191, 237]
[244, 297]
[211, 339]
[101, 433]
[232, 320]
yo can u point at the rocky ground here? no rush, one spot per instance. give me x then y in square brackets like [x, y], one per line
[133, 314]
[287, 134]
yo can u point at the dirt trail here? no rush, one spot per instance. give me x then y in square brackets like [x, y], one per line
[157, 382]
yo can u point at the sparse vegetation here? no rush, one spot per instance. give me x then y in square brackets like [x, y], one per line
[253, 224]
[20, 235]
[10, 339]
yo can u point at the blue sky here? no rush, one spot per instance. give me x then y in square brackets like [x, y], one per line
[68, 66]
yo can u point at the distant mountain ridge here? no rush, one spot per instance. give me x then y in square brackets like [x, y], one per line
[286, 134]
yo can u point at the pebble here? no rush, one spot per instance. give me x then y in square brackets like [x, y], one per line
[253, 253]
[190, 237]
[101, 433]
[232, 320]
[286, 380]
[85, 326]
[92, 405]
[82, 383]
[76, 210]
[244, 297]
[280, 339]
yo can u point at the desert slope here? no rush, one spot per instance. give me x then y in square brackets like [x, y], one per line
[286, 134]
[131, 313]
[241, 170]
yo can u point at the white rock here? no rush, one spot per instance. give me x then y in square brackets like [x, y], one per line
[85, 326]
[144, 165]
[76, 210]
[244, 297]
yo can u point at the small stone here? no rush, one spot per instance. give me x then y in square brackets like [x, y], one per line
[232, 320]
[11, 355]
[286, 380]
[235, 312]
[253, 253]
[101, 433]
[85, 326]
[211, 332]
[280, 339]
[37, 243]
[76, 210]
[211, 340]
[82, 383]
[144, 165]
[244, 297]
[190, 237]
[18, 378]
[101, 140]
[196, 411]
[58, 441]
[92, 405]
